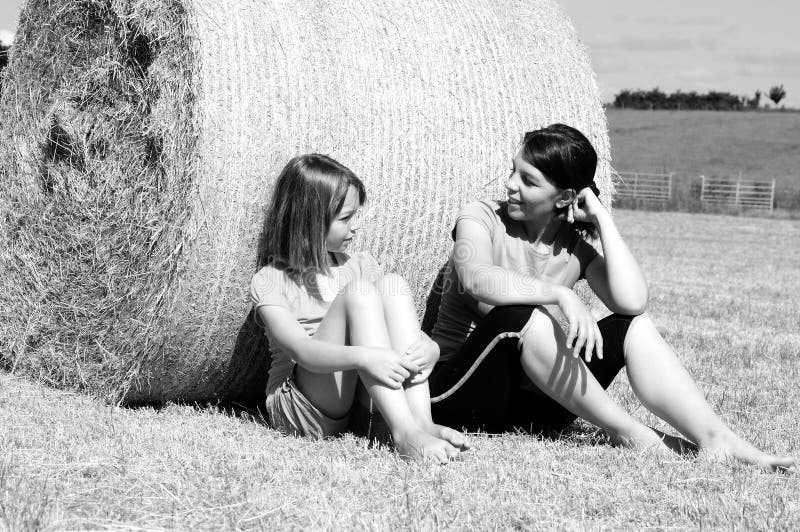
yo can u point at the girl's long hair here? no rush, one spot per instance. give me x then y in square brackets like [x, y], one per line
[566, 157]
[308, 195]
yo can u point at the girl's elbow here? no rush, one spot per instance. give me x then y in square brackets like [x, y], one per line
[481, 286]
[483, 296]
[473, 287]
[300, 356]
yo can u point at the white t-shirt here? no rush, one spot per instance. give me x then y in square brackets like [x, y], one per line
[308, 304]
[563, 263]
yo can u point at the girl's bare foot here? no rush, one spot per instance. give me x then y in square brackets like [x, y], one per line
[641, 437]
[419, 445]
[452, 436]
[729, 446]
[677, 444]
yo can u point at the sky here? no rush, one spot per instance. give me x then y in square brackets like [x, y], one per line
[735, 46]
[725, 45]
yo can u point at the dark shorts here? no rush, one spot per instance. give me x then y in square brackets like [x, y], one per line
[483, 386]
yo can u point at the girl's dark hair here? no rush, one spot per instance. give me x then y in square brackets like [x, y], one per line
[308, 195]
[566, 157]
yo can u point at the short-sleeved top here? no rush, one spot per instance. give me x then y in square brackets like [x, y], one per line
[563, 263]
[308, 303]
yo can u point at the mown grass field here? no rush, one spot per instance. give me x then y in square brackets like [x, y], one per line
[760, 146]
[724, 292]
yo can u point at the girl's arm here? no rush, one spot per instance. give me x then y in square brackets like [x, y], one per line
[615, 276]
[495, 285]
[388, 367]
[490, 284]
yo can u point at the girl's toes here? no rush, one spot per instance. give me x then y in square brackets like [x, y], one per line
[454, 437]
[780, 464]
[450, 451]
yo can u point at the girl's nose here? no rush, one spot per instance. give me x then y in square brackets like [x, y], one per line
[511, 183]
[355, 223]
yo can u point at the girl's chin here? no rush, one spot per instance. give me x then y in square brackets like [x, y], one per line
[514, 211]
[341, 249]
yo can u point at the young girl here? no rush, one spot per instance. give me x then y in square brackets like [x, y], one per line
[332, 318]
[505, 360]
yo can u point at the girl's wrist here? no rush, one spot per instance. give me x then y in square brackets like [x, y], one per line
[602, 219]
[359, 357]
[560, 293]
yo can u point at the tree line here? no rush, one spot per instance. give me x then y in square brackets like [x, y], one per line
[712, 100]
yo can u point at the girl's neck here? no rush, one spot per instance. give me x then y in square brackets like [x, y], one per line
[332, 259]
[541, 231]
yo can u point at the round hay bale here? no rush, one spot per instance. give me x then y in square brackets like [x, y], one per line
[141, 139]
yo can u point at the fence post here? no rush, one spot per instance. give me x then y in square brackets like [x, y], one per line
[736, 198]
[669, 185]
[702, 188]
[772, 196]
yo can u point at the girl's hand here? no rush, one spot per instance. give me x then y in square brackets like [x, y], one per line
[386, 366]
[585, 208]
[583, 330]
[424, 352]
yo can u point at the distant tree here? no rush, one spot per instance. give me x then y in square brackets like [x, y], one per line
[777, 93]
[755, 101]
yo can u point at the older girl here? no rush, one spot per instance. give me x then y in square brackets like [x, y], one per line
[505, 360]
[334, 318]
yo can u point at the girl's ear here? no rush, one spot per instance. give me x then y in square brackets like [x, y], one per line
[566, 197]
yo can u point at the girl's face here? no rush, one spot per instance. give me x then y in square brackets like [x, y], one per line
[344, 226]
[531, 195]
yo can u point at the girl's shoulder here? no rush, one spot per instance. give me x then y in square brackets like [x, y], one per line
[487, 212]
[268, 279]
[269, 272]
[360, 265]
[484, 208]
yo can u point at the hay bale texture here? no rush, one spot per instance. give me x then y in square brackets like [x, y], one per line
[141, 138]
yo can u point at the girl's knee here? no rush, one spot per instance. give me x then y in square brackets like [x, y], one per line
[360, 293]
[641, 332]
[392, 284]
[641, 321]
[539, 335]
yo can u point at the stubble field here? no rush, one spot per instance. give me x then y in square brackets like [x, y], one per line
[756, 145]
[724, 292]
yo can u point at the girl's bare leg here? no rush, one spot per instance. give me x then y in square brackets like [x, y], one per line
[664, 386]
[403, 328]
[356, 317]
[549, 363]
[332, 393]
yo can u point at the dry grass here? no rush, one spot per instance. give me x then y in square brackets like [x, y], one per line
[723, 292]
[96, 161]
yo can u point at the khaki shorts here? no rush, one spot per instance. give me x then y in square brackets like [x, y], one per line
[292, 413]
